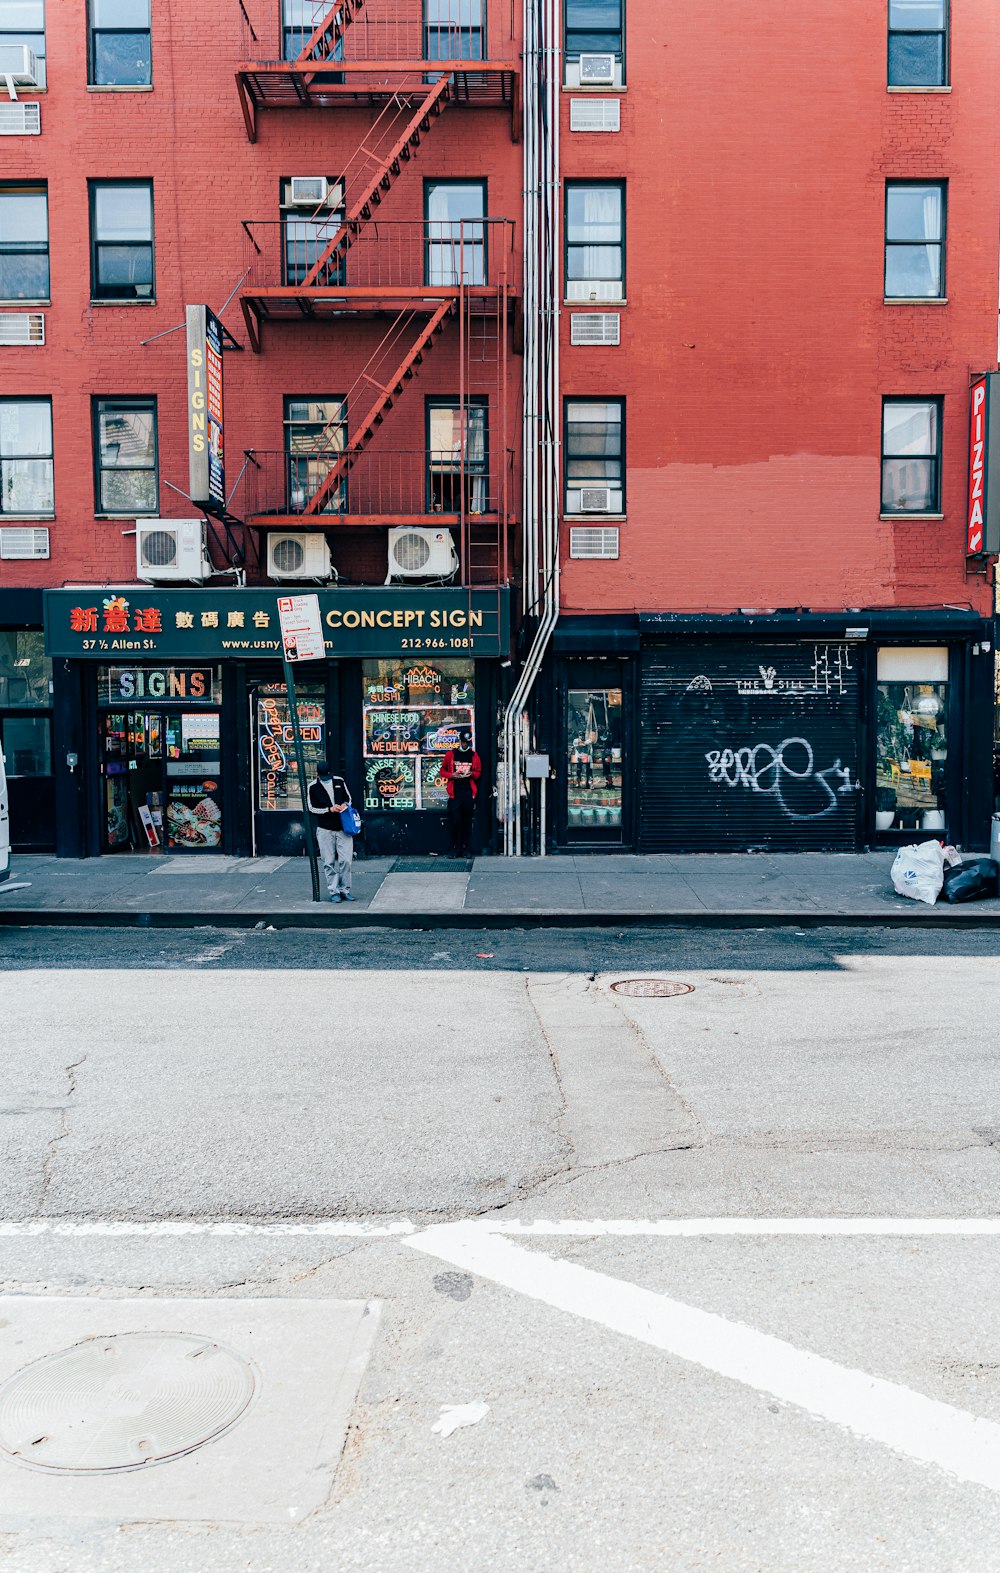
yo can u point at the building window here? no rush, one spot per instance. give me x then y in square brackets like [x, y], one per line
[918, 43]
[120, 43]
[595, 241]
[414, 712]
[453, 29]
[307, 230]
[454, 211]
[457, 457]
[595, 456]
[911, 455]
[315, 434]
[24, 243]
[593, 27]
[23, 22]
[299, 20]
[121, 231]
[914, 239]
[125, 454]
[26, 482]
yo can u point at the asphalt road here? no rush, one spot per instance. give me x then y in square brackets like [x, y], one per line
[194, 1116]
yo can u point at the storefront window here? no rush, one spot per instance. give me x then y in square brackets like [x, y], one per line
[414, 713]
[912, 739]
[162, 767]
[25, 672]
[278, 786]
[594, 762]
[26, 745]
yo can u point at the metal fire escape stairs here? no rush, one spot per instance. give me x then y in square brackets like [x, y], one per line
[375, 186]
[387, 395]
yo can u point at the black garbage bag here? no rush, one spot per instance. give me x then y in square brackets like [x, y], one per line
[971, 880]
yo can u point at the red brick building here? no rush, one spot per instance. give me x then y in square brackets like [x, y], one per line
[770, 632]
[352, 219]
[725, 285]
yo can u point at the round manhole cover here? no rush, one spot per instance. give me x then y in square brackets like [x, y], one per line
[652, 988]
[122, 1402]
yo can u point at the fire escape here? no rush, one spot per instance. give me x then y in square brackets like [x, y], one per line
[351, 274]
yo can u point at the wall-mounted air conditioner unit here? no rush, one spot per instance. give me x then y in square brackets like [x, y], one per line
[298, 554]
[595, 499]
[597, 70]
[18, 67]
[171, 549]
[421, 554]
[309, 191]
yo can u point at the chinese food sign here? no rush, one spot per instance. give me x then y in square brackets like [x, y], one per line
[413, 714]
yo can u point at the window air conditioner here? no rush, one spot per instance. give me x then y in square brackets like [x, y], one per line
[18, 67]
[421, 554]
[595, 499]
[597, 70]
[309, 191]
[171, 549]
[298, 555]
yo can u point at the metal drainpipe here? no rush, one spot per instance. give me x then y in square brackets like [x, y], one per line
[541, 401]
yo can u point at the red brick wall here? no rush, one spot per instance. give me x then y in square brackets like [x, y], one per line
[756, 348]
[188, 136]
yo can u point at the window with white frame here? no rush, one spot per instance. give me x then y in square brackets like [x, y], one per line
[26, 479]
[22, 22]
[24, 243]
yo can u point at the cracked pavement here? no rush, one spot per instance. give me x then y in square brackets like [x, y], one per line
[267, 1077]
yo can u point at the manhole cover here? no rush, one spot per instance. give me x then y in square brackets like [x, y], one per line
[651, 988]
[122, 1402]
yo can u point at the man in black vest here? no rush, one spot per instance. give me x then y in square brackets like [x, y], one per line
[328, 797]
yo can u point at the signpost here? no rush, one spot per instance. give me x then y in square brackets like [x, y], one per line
[301, 640]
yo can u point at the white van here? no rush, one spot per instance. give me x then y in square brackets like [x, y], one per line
[4, 822]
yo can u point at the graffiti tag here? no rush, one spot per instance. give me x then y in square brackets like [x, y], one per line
[767, 770]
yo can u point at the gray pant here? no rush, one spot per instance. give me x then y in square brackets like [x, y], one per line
[337, 853]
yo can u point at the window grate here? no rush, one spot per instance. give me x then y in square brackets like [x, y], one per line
[595, 114]
[17, 544]
[595, 327]
[22, 327]
[20, 120]
[585, 542]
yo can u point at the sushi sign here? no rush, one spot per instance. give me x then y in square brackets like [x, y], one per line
[983, 537]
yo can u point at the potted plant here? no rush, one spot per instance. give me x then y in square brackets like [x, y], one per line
[885, 807]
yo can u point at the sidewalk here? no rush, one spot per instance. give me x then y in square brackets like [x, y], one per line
[572, 891]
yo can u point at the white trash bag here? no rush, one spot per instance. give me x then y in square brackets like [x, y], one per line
[918, 871]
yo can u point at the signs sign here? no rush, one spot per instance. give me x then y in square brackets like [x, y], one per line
[146, 623]
[983, 537]
[119, 684]
[206, 452]
[301, 628]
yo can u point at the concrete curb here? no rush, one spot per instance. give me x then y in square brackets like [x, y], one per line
[910, 915]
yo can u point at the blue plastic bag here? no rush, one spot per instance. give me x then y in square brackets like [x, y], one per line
[350, 820]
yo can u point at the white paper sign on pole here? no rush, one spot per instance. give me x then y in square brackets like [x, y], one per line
[301, 628]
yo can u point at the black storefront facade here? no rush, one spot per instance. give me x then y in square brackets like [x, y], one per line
[777, 732]
[26, 717]
[171, 709]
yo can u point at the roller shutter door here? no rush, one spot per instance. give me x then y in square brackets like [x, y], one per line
[749, 746]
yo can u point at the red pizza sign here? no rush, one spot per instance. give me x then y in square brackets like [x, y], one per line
[979, 393]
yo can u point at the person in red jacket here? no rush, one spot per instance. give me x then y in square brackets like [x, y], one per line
[460, 771]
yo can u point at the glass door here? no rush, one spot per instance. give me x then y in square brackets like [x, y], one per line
[193, 816]
[595, 754]
[132, 767]
[913, 727]
[277, 791]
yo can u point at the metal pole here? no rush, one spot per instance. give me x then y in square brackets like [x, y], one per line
[541, 848]
[300, 760]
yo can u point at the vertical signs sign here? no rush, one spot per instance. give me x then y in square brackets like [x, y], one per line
[983, 536]
[206, 450]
